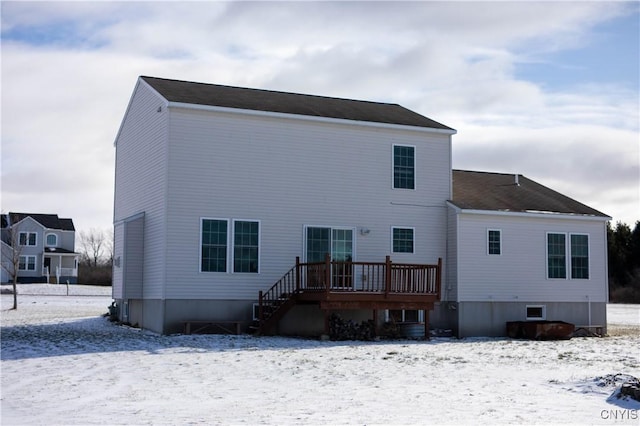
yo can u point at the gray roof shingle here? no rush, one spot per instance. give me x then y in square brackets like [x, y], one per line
[289, 103]
[50, 221]
[499, 192]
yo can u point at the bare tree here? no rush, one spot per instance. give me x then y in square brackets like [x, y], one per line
[92, 244]
[11, 253]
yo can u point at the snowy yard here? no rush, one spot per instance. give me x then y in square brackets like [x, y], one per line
[62, 363]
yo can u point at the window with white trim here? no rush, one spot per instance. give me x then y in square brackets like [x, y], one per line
[246, 243]
[219, 243]
[213, 244]
[536, 312]
[52, 240]
[27, 263]
[556, 255]
[28, 238]
[402, 240]
[579, 256]
[567, 259]
[494, 241]
[404, 167]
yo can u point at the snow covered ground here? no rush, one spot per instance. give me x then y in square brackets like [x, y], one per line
[62, 363]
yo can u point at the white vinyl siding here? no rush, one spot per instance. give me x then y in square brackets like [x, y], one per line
[523, 264]
[285, 172]
[141, 181]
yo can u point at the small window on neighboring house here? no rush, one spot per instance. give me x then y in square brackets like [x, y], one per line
[402, 240]
[494, 241]
[579, 256]
[27, 238]
[403, 167]
[213, 255]
[536, 312]
[52, 240]
[27, 263]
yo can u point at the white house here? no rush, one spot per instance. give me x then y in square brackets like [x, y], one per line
[233, 204]
[518, 251]
[44, 246]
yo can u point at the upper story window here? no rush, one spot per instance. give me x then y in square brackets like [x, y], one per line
[404, 162]
[52, 240]
[402, 240]
[28, 238]
[494, 241]
[572, 257]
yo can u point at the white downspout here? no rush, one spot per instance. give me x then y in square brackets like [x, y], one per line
[589, 304]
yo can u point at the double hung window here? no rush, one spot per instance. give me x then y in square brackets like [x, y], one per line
[567, 258]
[27, 263]
[215, 245]
[404, 165]
[494, 241]
[402, 240]
[28, 238]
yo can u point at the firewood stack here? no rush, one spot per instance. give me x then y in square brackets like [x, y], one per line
[340, 329]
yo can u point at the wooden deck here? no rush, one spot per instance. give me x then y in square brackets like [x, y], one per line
[352, 285]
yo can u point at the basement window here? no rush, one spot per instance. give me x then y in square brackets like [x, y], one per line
[536, 312]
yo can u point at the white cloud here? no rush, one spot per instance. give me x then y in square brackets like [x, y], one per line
[63, 97]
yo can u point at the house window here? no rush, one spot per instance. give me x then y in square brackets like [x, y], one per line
[27, 263]
[536, 312]
[403, 167]
[579, 256]
[398, 315]
[494, 241]
[246, 238]
[27, 238]
[52, 240]
[556, 256]
[562, 258]
[402, 240]
[213, 245]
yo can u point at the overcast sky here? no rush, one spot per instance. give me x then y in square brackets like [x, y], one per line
[545, 89]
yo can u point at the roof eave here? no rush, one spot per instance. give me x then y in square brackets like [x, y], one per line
[530, 213]
[258, 113]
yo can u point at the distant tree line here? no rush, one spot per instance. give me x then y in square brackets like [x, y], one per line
[96, 257]
[624, 263]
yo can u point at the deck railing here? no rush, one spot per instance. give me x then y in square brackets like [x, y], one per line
[363, 277]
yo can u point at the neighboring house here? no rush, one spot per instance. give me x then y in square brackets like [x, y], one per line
[44, 244]
[235, 204]
[517, 251]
